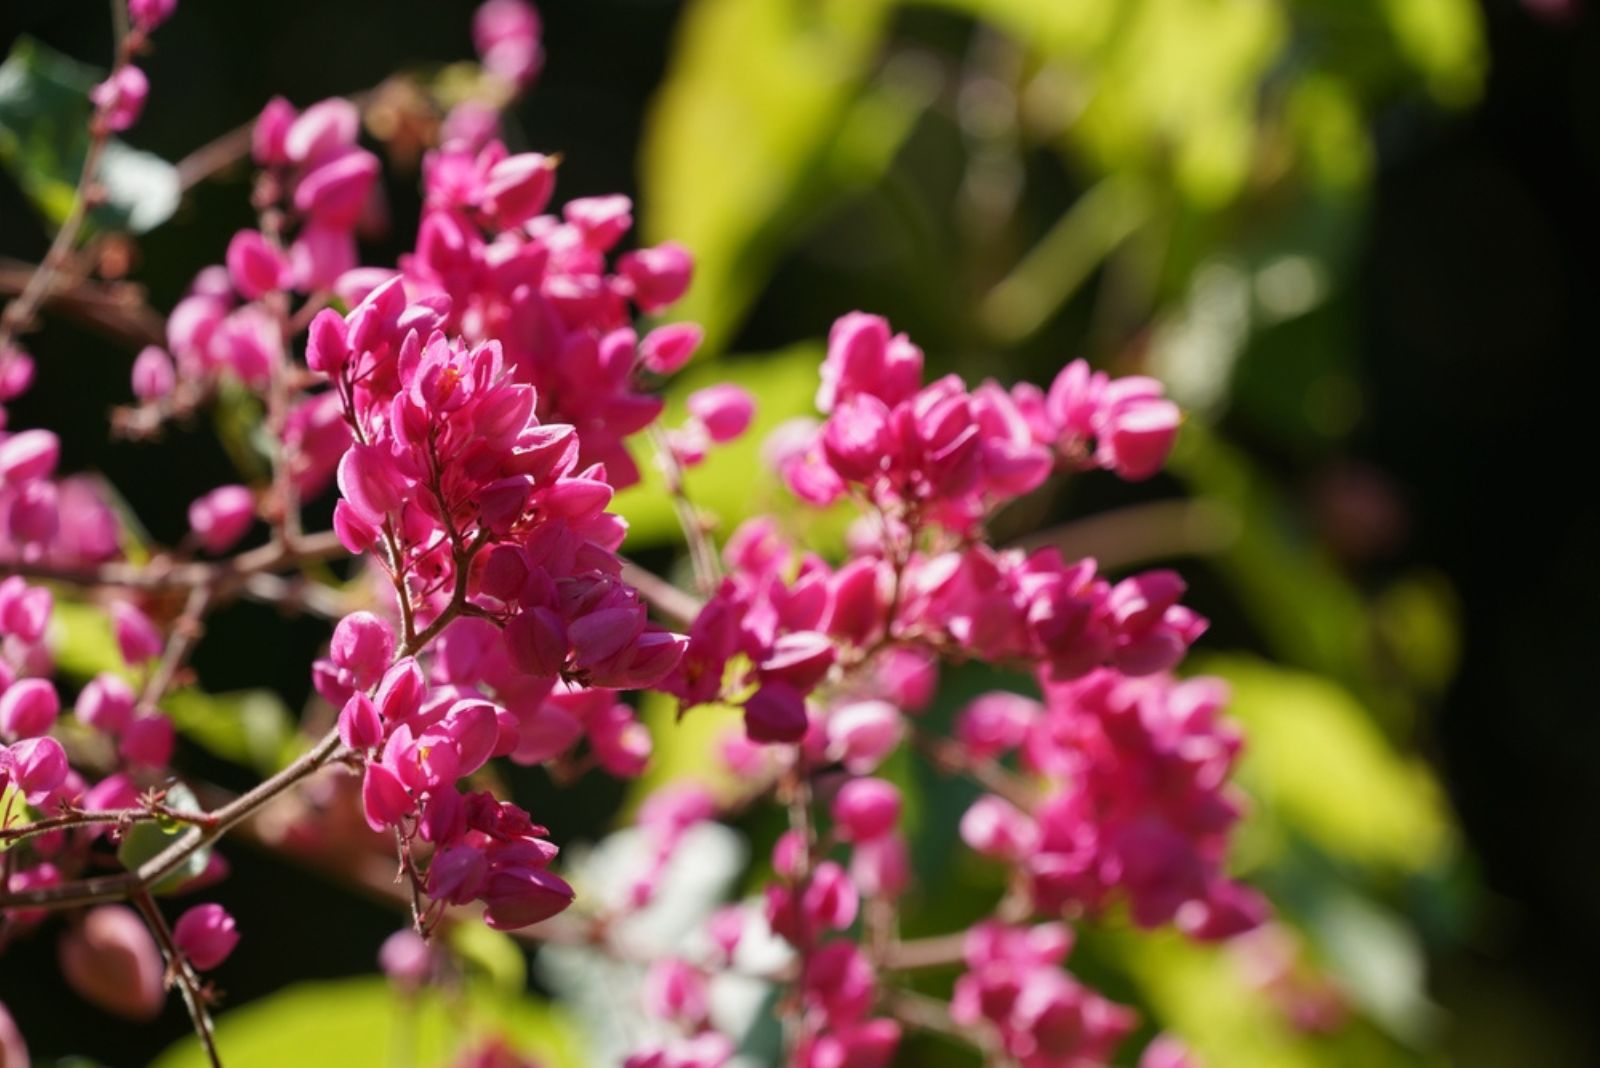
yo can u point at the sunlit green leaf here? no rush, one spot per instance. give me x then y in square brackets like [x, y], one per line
[1317, 763]
[493, 953]
[145, 841]
[44, 137]
[364, 1023]
[249, 727]
[82, 640]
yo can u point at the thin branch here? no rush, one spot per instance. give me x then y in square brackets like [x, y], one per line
[180, 973]
[679, 606]
[702, 553]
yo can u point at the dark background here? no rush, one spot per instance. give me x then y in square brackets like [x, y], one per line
[1474, 326]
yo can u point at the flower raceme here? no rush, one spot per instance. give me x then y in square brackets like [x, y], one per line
[472, 406]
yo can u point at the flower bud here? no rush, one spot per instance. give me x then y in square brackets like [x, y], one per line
[775, 713]
[996, 828]
[120, 98]
[222, 517]
[153, 374]
[863, 733]
[137, 637]
[725, 411]
[865, 809]
[360, 727]
[27, 456]
[39, 766]
[271, 131]
[667, 348]
[148, 14]
[106, 703]
[112, 962]
[206, 934]
[406, 958]
[363, 645]
[148, 741]
[660, 275]
[28, 708]
[254, 266]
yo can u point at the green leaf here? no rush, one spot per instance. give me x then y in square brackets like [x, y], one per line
[752, 102]
[44, 136]
[364, 1023]
[144, 841]
[249, 727]
[1318, 766]
[83, 642]
[493, 953]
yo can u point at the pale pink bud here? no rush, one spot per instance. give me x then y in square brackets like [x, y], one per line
[112, 962]
[677, 991]
[153, 375]
[28, 456]
[724, 410]
[399, 695]
[359, 724]
[206, 934]
[28, 708]
[995, 828]
[354, 533]
[518, 188]
[830, 900]
[120, 98]
[789, 855]
[106, 703]
[268, 137]
[861, 734]
[506, 36]
[363, 645]
[148, 741]
[35, 514]
[254, 266]
[336, 192]
[367, 480]
[1165, 1051]
[865, 809]
[857, 440]
[24, 610]
[660, 275]
[881, 868]
[667, 348]
[321, 255]
[324, 129]
[1138, 438]
[995, 723]
[40, 767]
[137, 637]
[16, 373]
[406, 959]
[222, 517]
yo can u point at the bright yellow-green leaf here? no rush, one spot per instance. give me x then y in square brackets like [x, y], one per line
[364, 1023]
[493, 953]
[686, 748]
[754, 94]
[82, 640]
[249, 727]
[1316, 762]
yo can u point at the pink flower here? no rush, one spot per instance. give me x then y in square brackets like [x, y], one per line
[223, 516]
[28, 708]
[406, 959]
[37, 765]
[106, 704]
[659, 275]
[269, 136]
[206, 934]
[255, 267]
[137, 637]
[506, 34]
[120, 98]
[724, 410]
[111, 961]
[359, 724]
[153, 374]
[28, 456]
[667, 348]
[865, 809]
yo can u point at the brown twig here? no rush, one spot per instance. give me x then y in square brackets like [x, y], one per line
[182, 975]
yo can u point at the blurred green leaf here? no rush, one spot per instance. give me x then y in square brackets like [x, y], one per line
[82, 641]
[44, 136]
[143, 841]
[754, 96]
[249, 727]
[364, 1023]
[1316, 763]
[493, 953]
